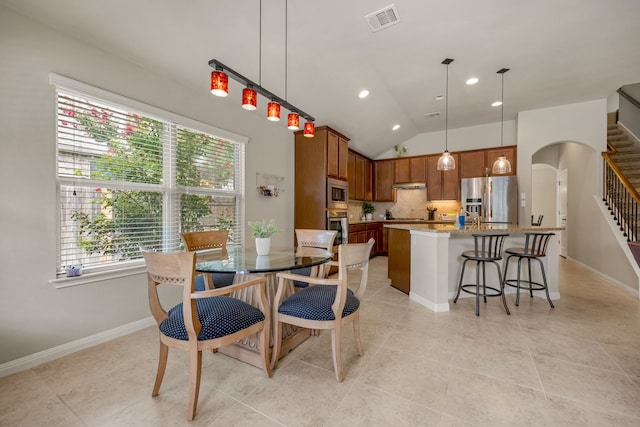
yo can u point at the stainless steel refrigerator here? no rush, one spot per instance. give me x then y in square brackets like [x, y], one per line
[493, 198]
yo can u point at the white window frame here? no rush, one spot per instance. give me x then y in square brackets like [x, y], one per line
[137, 266]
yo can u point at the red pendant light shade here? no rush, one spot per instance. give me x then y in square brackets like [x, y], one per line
[273, 111]
[293, 121]
[219, 83]
[309, 129]
[249, 98]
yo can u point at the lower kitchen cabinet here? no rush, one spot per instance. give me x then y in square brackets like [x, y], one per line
[362, 232]
[399, 262]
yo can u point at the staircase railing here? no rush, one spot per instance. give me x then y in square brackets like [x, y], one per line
[621, 198]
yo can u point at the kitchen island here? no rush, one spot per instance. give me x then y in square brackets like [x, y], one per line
[435, 260]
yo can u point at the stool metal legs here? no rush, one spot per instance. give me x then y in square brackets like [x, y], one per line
[532, 286]
[497, 292]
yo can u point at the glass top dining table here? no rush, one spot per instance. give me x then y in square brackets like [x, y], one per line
[244, 259]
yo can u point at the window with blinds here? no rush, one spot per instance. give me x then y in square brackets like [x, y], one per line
[127, 180]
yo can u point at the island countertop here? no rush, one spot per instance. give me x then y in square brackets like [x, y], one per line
[425, 259]
[471, 229]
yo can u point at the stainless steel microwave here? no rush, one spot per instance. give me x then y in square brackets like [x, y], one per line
[337, 194]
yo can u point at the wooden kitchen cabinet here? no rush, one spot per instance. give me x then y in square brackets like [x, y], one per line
[399, 262]
[473, 163]
[410, 169]
[362, 232]
[383, 178]
[317, 158]
[360, 177]
[510, 152]
[442, 185]
[401, 171]
[337, 152]
[351, 174]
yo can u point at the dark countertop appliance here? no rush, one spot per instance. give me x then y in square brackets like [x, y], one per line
[493, 198]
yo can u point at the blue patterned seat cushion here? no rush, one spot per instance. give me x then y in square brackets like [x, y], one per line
[219, 316]
[220, 280]
[314, 303]
[303, 272]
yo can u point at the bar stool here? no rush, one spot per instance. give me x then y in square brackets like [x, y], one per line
[535, 248]
[487, 248]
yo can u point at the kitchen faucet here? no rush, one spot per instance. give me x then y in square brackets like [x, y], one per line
[475, 218]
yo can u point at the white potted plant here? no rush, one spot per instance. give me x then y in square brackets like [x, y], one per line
[368, 209]
[262, 231]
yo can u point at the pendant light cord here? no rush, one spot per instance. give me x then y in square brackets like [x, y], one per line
[502, 119]
[260, 47]
[446, 113]
[286, 35]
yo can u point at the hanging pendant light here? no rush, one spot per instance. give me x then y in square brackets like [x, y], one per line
[273, 111]
[249, 98]
[502, 166]
[293, 121]
[446, 161]
[309, 129]
[219, 82]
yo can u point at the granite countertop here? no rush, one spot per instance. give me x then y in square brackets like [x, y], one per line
[470, 229]
[399, 221]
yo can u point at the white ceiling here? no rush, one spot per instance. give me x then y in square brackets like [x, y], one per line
[559, 52]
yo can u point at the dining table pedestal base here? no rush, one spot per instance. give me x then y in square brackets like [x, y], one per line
[248, 349]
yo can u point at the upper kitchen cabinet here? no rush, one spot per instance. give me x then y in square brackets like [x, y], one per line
[384, 178]
[510, 152]
[473, 163]
[360, 177]
[311, 174]
[410, 169]
[337, 152]
[477, 163]
[442, 185]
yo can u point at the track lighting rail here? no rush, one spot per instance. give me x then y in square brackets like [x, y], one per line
[217, 65]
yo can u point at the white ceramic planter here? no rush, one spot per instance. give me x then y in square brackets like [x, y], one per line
[263, 245]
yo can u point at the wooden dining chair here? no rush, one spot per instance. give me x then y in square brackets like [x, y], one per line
[204, 320]
[310, 238]
[327, 303]
[206, 240]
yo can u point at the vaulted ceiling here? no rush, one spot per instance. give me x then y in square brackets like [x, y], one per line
[559, 52]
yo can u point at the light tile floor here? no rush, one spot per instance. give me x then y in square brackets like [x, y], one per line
[578, 364]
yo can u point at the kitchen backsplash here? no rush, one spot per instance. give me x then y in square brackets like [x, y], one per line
[408, 204]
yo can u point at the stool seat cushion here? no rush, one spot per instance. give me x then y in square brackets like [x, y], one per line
[480, 256]
[521, 252]
[219, 316]
[314, 303]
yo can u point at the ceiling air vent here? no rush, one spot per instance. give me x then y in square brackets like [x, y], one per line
[431, 115]
[383, 18]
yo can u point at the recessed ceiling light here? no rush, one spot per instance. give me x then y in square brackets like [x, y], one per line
[496, 103]
[439, 97]
[472, 81]
[395, 127]
[363, 93]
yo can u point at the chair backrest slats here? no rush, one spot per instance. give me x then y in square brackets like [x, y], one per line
[202, 240]
[316, 238]
[536, 243]
[488, 245]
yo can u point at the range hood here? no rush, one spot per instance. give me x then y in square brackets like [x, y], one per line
[410, 185]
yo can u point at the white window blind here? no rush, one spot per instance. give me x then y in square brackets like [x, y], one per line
[128, 180]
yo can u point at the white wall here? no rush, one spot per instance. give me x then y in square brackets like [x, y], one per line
[462, 139]
[544, 185]
[580, 130]
[35, 316]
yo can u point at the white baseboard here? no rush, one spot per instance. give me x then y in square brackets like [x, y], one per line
[48, 355]
[614, 282]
